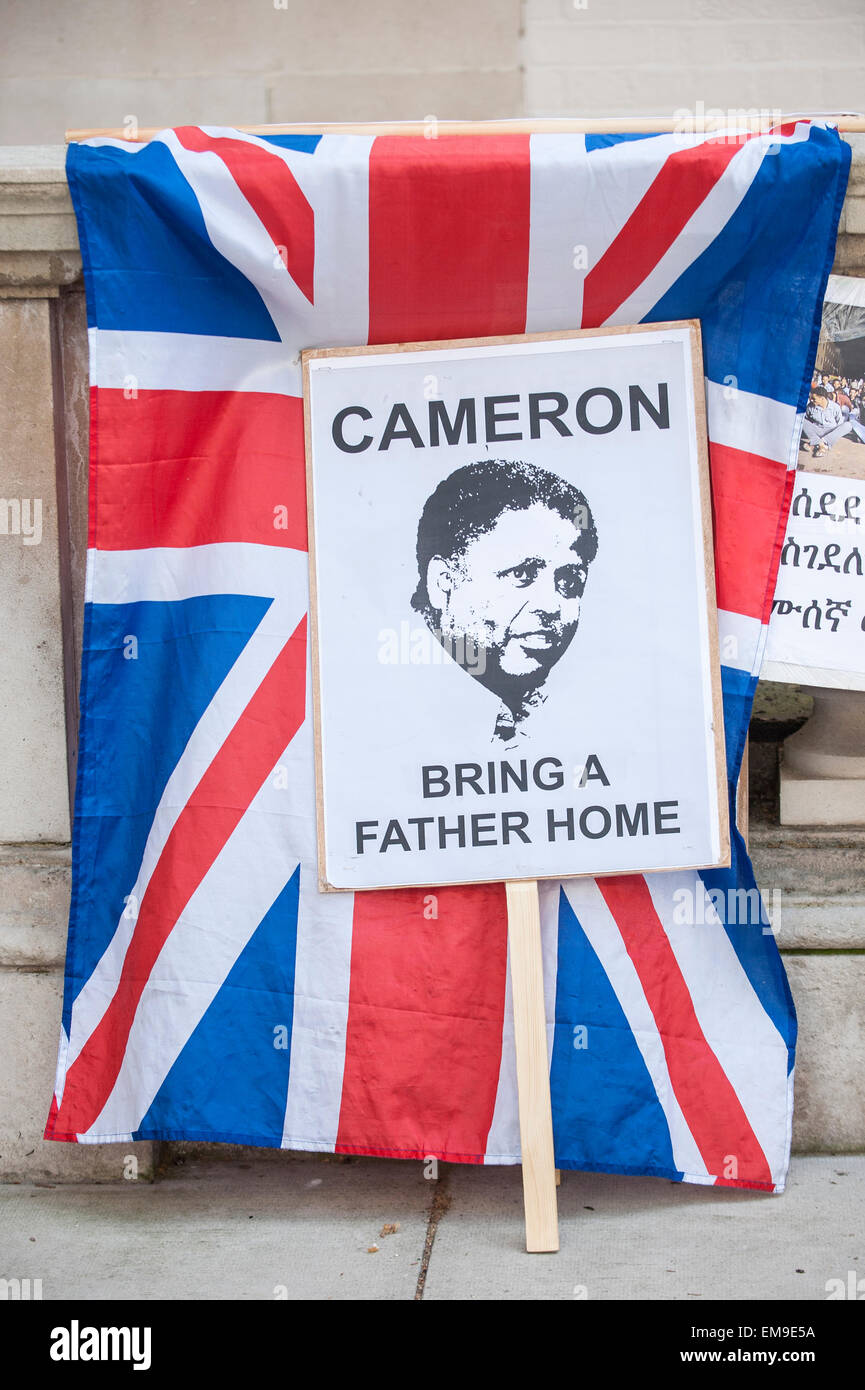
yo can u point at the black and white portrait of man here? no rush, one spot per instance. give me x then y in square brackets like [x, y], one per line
[503, 552]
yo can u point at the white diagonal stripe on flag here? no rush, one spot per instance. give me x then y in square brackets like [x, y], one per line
[239, 235]
[121, 359]
[208, 736]
[743, 1037]
[170, 573]
[238, 890]
[701, 229]
[603, 934]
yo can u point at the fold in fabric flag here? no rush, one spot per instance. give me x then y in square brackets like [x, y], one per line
[211, 991]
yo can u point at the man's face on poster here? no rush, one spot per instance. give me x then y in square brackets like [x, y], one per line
[512, 595]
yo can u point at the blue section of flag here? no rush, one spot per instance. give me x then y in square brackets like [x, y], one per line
[149, 263]
[735, 894]
[759, 281]
[306, 144]
[738, 904]
[603, 1098]
[150, 670]
[737, 693]
[231, 1079]
[603, 142]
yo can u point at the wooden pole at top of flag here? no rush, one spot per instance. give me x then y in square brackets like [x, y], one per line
[848, 123]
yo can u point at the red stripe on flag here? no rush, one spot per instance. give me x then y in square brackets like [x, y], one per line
[709, 1103]
[448, 236]
[52, 1121]
[449, 258]
[273, 193]
[179, 468]
[750, 501]
[424, 1036]
[267, 725]
[683, 183]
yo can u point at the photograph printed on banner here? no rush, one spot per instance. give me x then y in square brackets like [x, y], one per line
[514, 614]
[818, 610]
[833, 431]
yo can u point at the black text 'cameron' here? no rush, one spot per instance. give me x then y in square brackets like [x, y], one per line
[499, 419]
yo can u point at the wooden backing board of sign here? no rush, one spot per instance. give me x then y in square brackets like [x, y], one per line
[742, 788]
[705, 512]
[540, 1176]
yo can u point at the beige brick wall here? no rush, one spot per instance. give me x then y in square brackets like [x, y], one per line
[222, 62]
[624, 57]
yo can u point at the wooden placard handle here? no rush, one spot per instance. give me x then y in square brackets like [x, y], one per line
[533, 1067]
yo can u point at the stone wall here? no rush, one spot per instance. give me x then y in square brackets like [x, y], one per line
[624, 57]
[174, 62]
[193, 62]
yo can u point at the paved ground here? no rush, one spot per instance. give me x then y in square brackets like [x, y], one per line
[304, 1226]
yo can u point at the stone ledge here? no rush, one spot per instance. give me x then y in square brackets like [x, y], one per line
[38, 235]
[812, 880]
[37, 274]
[34, 906]
[850, 248]
[803, 923]
[39, 238]
[818, 863]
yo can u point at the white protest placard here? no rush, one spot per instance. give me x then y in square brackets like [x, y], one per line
[514, 628]
[817, 628]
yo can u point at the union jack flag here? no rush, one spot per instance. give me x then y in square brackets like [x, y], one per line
[211, 991]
